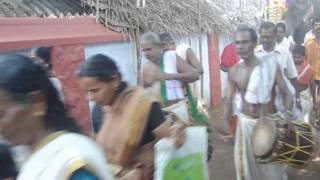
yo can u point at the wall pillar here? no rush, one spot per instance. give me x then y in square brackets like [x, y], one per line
[214, 69]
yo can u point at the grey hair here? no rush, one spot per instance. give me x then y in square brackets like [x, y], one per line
[150, 37]
[166, 38]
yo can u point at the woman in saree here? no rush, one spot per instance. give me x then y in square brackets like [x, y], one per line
[133, 123]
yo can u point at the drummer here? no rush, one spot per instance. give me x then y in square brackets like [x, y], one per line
[255, 79]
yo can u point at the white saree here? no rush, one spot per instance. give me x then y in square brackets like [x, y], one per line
[62, 156]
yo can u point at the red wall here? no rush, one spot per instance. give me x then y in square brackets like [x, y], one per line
[214, 69]
[66, 59]
[25, 33]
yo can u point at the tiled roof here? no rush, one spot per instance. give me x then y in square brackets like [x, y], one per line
[40, 8]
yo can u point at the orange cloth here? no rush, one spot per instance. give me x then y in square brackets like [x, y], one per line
[313, 56]
[123, 127]
[305, 74]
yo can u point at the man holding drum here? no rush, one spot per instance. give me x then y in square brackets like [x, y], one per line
[255, 79]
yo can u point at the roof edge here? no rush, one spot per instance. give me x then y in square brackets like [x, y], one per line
[23, 33]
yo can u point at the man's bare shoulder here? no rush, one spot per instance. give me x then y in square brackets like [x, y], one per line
[148, 66]
[233, 70]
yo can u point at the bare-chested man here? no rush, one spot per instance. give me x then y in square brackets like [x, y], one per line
[165, 72]
[165, 75]
[254, 79]
[183, 50]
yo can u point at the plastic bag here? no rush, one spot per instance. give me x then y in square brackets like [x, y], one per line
[180, 109]
[185, 163]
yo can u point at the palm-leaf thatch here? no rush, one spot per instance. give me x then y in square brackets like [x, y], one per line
[175, 16]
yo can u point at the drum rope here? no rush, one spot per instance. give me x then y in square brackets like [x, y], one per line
[296, 153]
[284, 158]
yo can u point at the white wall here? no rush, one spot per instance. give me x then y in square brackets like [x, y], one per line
[123, 53]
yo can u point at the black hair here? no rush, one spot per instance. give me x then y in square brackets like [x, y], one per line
[251, 31]
[45, 54]
[7, 165]
[97, 115]
[21, 76]
[281, 25]
[101, 67]
[268, 25]
[298, 49]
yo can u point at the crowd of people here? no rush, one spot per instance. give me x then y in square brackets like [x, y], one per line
[129, 120]
[275, 77]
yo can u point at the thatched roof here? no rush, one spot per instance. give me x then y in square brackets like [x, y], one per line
[40, 8]
[174, 16]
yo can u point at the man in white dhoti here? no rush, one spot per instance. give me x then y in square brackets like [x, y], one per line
[165, 74]
[185, 52]
[255, 80]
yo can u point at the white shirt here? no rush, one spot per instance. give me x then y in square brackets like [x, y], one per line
[289, 71]
[285, 43]
[284, 59]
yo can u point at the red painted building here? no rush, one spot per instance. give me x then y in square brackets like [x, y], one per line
[68, 38]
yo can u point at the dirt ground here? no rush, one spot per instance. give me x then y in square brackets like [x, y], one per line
[222, 165]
